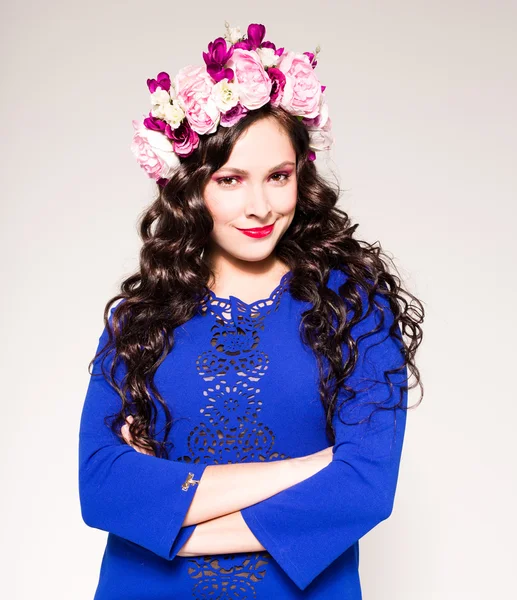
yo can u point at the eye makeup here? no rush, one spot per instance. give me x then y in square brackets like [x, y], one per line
[221, 180]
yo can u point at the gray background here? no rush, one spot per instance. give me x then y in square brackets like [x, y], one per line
[422, 96]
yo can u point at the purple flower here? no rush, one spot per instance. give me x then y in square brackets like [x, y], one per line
[256, 35]
[244, 44]
[314, 122]
[311, 58]
[278, 51]
[216, 58]
[233, 115]
[278, 80]
[254, 39]
[162, 80]
[184, 139]
[154, 123]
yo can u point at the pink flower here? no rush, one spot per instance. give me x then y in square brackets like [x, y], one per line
[253, 82]
[153, 152]
[194, 88]
[323, 114]
[302, 91]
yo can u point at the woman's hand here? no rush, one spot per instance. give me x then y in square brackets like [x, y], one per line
[124, 430]
[319, 459]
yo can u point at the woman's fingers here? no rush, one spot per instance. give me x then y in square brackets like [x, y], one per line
[124, 430]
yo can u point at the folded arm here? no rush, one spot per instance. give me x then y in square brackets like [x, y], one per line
[148, 500]
[308, 526]
[228, 534]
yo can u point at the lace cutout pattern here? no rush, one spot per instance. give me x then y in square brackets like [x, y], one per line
[230, 430]
[228, 308]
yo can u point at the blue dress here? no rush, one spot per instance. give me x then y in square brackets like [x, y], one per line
[243, 387]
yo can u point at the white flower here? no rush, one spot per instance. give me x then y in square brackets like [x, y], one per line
[225, 95]
[233, 34]
[321, 138]
[324, 111]
[268, 57]
[160, 100]
[173, 114]
[158, 111]
[160, 96]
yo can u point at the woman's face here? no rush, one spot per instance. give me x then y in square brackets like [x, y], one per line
[256, 187]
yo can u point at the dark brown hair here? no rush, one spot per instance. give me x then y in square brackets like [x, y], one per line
[173, 278]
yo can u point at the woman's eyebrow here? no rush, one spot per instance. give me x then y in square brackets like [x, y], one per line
[244, 172]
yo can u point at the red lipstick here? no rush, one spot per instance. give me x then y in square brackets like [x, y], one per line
[258, 232]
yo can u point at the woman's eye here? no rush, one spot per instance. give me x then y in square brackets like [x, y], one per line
[284, 175]
[223, 181]
[227, 181]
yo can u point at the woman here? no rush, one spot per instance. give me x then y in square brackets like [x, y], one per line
[244, 421]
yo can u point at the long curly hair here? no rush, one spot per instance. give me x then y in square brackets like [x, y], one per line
[174, 275]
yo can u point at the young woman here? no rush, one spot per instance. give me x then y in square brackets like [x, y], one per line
[244, 420]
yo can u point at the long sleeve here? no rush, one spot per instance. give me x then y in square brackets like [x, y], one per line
[309, 525]
[132, 495]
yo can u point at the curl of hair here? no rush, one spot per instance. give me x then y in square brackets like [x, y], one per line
[174, 276]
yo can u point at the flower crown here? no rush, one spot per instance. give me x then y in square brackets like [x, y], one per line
[241, 73]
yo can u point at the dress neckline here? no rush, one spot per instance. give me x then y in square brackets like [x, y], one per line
[233, 304]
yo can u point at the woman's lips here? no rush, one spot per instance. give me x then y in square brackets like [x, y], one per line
[258, 232]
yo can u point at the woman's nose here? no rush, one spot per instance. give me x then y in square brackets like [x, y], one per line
[258, 202]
